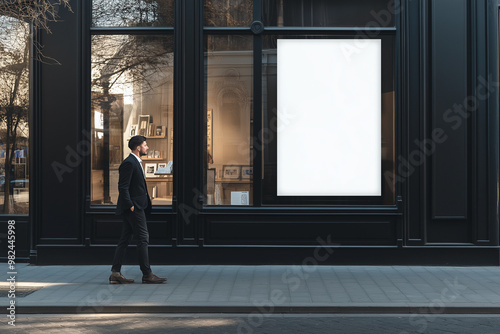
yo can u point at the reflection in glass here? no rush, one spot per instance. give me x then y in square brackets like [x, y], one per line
[328, 13]
[229, 120]
[270, 129]
[14, 115]
[133, 13]
[225, 13]
[132, 94]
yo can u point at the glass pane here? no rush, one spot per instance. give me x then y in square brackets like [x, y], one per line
[14, 116]
[278, 120]
[132, 94]
[229, 120]
[133, 13]
[329, 13]
[225, 13]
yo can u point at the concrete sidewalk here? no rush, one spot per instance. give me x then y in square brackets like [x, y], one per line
[263, 289]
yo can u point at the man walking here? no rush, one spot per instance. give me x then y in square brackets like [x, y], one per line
[133, 204]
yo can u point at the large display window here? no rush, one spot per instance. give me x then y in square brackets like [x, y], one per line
[132, 83]
[328, 13]
[321, 130]
[224, 13]
[337, 154]
[133, 13]
[229, 120]
[15, 60]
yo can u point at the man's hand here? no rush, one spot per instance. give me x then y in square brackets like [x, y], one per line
[132, 209]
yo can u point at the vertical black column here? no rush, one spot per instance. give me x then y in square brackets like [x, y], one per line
[60, 137]
[86, 55]
[493, 38]
[479, 75]
[414, 95]
[257, 142]
[399, 74]
[187, 168]
[35, 154]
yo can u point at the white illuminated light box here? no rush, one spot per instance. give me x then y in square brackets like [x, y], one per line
[329, 117]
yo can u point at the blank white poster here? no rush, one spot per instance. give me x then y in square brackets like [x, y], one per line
[329, 117]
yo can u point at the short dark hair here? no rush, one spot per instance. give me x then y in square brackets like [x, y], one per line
[136, 141]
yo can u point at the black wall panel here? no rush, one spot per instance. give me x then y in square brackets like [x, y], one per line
[449, 68]
[106, 229]
[450, 65]
[263, 230]
[60, 133]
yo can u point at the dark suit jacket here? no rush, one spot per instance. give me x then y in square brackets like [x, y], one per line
[132, 188]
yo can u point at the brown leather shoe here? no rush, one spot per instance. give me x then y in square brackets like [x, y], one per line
[153, 279]
[117, 278]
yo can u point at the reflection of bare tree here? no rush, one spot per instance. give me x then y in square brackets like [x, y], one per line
[228, 13]
[144, 13]
[19, 20]
[138, 62]
[121, 60]
[225, 13]
[38, 14]
[14, 95]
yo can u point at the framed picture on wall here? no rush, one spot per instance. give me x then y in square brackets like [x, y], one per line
[231, 172]
[150, 169]
[246, 172]
[152, 129]
[162, 169]
[143, 125]
[133, 130]
[210, 140]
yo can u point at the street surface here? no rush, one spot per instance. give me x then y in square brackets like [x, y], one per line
[253, 324]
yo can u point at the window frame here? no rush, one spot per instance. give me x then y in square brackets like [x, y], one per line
[90, 30]
[259, 31]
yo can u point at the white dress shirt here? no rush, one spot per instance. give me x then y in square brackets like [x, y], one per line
[140, 162]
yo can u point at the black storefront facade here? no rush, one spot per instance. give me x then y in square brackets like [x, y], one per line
[438, 176]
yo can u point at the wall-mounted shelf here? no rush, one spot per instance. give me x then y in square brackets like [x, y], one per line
[152, 159]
